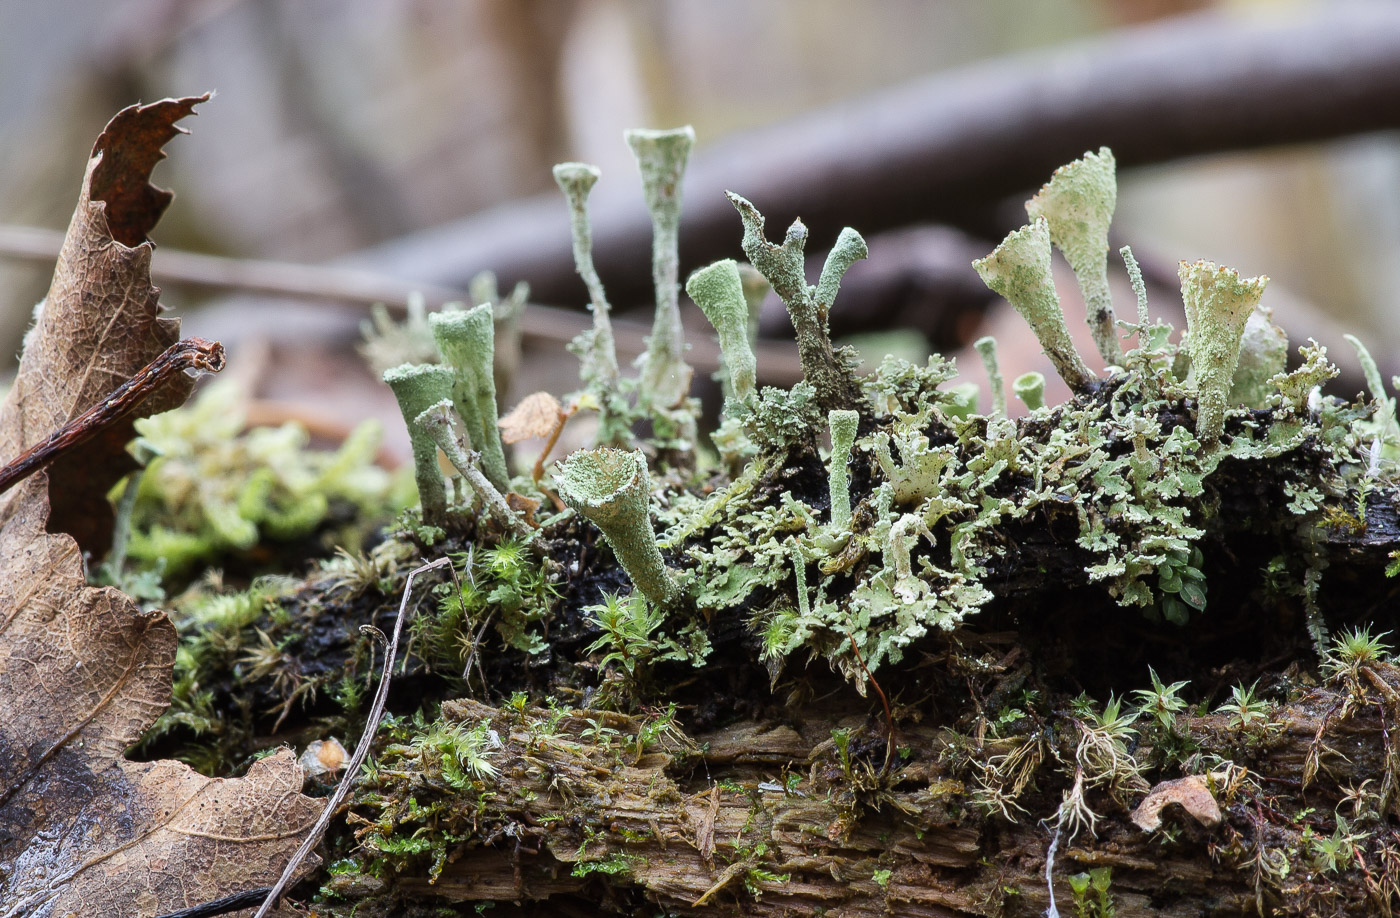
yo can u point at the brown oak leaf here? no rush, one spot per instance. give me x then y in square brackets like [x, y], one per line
[100, 322]
[83, 671]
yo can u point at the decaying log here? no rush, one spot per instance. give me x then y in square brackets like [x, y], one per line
[762, 818]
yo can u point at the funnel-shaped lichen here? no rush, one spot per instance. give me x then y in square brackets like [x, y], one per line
[467, 341]
[830, 372]
[611, 488]
[843, 437]
[1019, 269]
[719, 292]
[418, 387]
[1218, 304]
[1078, 204]
[661, 157]
[1030, 388]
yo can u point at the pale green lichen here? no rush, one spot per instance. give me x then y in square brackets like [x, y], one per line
[1030, 389]
[1385, 423]
[756, 290]
[987, 350]
[506, 313]
[849, 248]
[943, 490]
[596, 347]
[661, 158]
[1263, 355]
[1218, 304]
[1078, 204]
[843, 424]
[1019, 270]
[417, 387]
[467, 341]
[612, 489]
[436, 422]
[829, 371]
[719, 292]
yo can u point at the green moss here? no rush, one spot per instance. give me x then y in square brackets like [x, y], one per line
[212, 489]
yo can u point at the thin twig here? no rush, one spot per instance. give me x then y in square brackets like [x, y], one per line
[189, 354]
[889, 717]
[564, 414]
[352, 768]
[236, 902]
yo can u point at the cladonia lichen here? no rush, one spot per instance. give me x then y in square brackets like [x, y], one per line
[1077, 204]
[611, 488]
[1019, 269]
[418, 387]
[467, 341]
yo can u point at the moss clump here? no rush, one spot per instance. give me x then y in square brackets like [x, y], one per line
[212, 490]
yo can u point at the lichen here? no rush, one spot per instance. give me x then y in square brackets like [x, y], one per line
[1019, 269]
[467, 341]
[876, 559]
[611, 488]
[1077, 204]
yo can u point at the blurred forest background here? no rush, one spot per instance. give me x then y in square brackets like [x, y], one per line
[411, 142]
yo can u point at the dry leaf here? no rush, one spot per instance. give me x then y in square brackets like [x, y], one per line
[1192, 792]
[83, 672]
[99, 323]
[536, 416]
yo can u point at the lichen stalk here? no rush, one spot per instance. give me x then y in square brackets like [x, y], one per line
[436, 422]
[783, 265]
[850, 248]
[1078, 204]
[844, 424]
[576, 180]
[417, 387]
[1019, 270]
[756, 290]
[719, 292]
[1218, 304]
[612, 489]
[1030, 389]
[661, 158]
[1139, 286]
[467, 341]
[987, 349]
